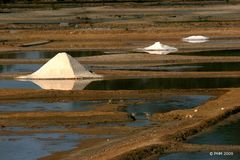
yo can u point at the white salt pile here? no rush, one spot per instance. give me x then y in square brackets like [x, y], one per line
[158, 48]
[159, 52]
[61, 66]
[63, 84]
[196, 39]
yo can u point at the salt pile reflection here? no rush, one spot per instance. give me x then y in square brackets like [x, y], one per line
[63, 84]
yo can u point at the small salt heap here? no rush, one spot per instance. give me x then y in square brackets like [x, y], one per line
[61, 66]
[196, 39]
[159, 52]
[158, 48]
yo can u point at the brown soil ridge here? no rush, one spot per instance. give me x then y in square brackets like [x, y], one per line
[134, 59]
[92, 129]
[61, 118]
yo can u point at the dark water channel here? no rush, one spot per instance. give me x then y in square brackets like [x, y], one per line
[226, 133]
[211, 53]
[224, 66]
[35, 146]
[125, 84]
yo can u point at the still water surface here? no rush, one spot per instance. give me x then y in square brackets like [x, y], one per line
[125, 84]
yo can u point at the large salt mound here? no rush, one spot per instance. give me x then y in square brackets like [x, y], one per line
[196, 39]
[157, 46]
[61, 66]
[63, 84]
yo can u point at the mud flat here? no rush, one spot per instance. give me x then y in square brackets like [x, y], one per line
[60, 118]
[159, 140]
[225, 134]
[120, 30]
[104, 119]
[54, 95]
[119, 27]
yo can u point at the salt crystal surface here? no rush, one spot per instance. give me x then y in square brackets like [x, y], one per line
[61, 66]
[157, 46]
[196, 39]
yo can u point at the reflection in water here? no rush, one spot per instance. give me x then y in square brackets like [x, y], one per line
[222, 134]
[143, 110]
[169, 68]
[19, 68]
[35, 146]
[63, 84]
[218, 66]
[164, 83]
[50, 106]
[18, 84]
[141, 83]
[165, 104]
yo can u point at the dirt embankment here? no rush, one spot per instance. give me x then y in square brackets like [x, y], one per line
[8, 95]
[124, 28]
[61, 118]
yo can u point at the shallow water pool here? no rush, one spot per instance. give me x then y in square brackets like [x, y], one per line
[51, 106]
[212, 53]
[35, 146]
[223, 134]
[166, 104]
